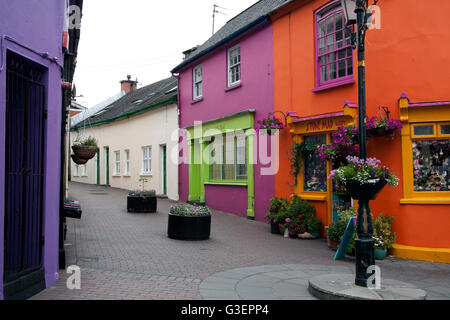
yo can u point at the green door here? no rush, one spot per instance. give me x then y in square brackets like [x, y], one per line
[195, 182]
[107, 165]
[98, 166]
[164, 155]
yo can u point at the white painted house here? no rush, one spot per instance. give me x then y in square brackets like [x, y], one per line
[136, 136]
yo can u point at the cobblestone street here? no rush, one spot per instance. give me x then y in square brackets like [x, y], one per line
[129, 256]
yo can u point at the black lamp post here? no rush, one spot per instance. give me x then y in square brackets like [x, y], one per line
[355, 11]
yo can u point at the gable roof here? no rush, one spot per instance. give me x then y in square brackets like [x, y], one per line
[161, 93]
[251, 17]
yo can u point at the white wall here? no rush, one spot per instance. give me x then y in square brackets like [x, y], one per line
[154, 128]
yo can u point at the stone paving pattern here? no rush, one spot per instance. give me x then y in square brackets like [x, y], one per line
[129, 256]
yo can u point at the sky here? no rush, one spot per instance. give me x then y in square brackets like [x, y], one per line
[141, 38]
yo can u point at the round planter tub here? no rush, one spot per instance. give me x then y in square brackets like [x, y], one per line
[146, 204]
[380, 254]
[192, 228]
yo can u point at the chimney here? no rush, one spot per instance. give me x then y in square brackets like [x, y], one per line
[189, 52]
[128, 85]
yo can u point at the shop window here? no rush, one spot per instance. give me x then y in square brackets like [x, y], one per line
[228, 160]
[315, 170]
[431, 163]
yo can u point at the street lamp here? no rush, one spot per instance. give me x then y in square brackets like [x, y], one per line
[356, 11]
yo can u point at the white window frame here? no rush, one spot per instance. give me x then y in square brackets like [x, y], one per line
[116, 163]
[127, 162]
[232, 66]
[197, 83]
[77, 171]
[146, 159]
[84, 170]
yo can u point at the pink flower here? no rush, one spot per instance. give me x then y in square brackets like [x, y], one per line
[287, 220]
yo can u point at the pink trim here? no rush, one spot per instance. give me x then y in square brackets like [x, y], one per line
[342, 82]
[292, 114]
[403, 96]
[350, 104]
[429, 104]
[197, 100]
[328, 115]
[339, 80]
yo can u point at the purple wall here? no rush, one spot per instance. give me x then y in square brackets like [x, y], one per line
[36, 25]
[256, 92]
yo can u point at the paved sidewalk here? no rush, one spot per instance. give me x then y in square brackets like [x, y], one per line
[129, 256]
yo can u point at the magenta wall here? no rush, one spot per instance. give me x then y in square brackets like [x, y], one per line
[256, 92]
[36, 25]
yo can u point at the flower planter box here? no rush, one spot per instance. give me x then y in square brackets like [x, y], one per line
[192, 228]
[142, 204]
[366, 191]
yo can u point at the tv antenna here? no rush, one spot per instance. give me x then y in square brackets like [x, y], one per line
[216, 10]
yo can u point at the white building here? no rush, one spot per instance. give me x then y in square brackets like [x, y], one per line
[136, 136]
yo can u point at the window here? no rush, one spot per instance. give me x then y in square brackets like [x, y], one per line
[77, 171]
[334, 55]
[315, 170]
[234, 66]
[431, 157]
[117, 163]
[197, 82]
[127, 162]
[228, 160]
[147, 160]
[84, 170]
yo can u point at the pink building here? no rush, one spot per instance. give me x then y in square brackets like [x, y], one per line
[227, 84]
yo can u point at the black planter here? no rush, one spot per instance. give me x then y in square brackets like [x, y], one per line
[143, 204]
[365, 192]
[191, 228]
[274, 229]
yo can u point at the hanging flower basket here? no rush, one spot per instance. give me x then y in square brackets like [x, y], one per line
[365, 191]
[271, 124]
[85, 152]
[383, 127]
[78, 160]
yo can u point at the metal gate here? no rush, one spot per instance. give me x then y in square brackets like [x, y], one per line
[24, 181]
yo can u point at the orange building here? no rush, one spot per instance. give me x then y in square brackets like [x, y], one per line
[407, 70]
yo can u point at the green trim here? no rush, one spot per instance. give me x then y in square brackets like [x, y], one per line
[227, 183]
[238, 121]
[251, 179]
[107, 166]
[98, 166]
[172, 100]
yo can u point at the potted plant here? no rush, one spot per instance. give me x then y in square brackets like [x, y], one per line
[85, 149]
[383, 235]
[187, 222]
[314, 226]
[142, 201]
[364, 179]
[335, 232]
[277, 205]
[270, 124]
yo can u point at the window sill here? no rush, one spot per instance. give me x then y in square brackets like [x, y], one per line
[333, 85]
[85, 176]
[425, 201]
[313, 197]
[234, 86]
[197, 100]
[228, 183]
[126, 175]
[146, 175]
[116, 176]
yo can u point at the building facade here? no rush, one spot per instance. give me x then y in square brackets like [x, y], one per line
[315, 72]
[31, 145]
[137, 137]
[225, 88]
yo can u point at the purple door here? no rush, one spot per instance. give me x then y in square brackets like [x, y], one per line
[25, 124]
